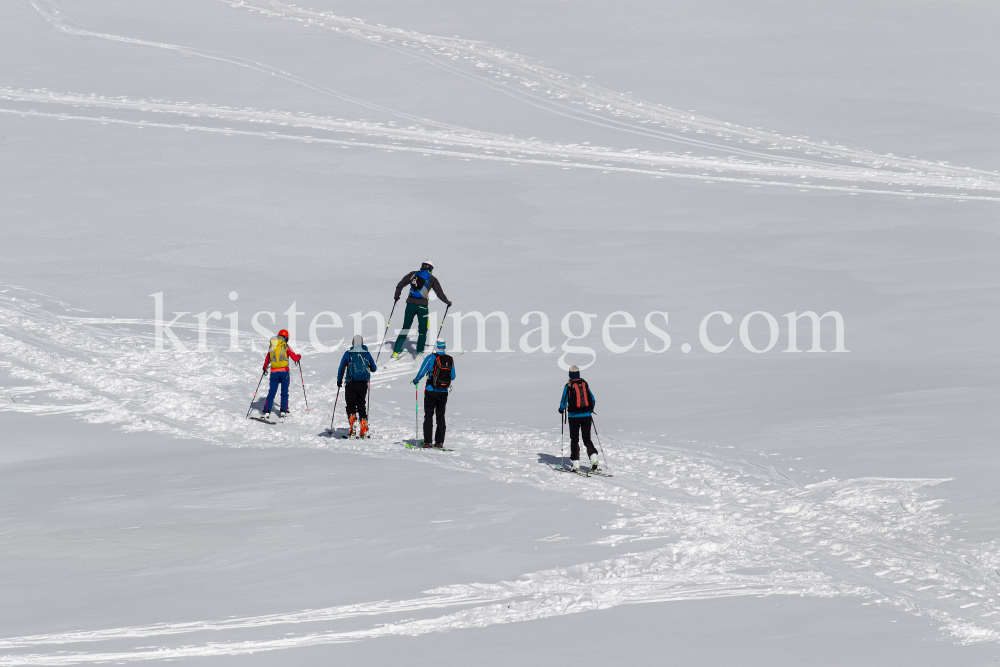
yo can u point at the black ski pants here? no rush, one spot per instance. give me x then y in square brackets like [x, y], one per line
[356, 394]
[434, 404]
[576, 424]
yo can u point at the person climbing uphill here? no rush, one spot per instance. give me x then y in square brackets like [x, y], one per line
[277, 357]
[357, 364]
[439, 369]
[421, 283]
[578, 400]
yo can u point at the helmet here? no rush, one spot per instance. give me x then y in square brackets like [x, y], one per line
[427, 264]
[284, 332]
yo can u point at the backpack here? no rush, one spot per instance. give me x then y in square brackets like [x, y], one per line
[441, 373]
[357, 367]
[278, 354]
[420, 284]
[578, 396]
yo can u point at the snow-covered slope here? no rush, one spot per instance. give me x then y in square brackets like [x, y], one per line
[266, 157]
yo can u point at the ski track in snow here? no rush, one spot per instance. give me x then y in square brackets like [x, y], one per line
[702, 526]
[732, 154]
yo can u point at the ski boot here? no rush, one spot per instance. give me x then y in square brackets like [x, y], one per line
[363, 432]
[352, 419]
[282, 414]
[398, 355]
[595, 466]
[576, 465]
[266, 416]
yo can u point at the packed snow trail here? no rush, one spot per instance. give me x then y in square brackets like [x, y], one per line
[767, 158]
[701, 526]
[496, 67]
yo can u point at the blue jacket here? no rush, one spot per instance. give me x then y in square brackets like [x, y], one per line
[425, 371]
[346, 359]
[565, 402]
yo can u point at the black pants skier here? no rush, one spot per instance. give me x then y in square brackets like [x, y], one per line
[575, 425]
[434, 404]
[356, 394]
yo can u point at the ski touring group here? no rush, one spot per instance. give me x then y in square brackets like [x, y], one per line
[437, 370]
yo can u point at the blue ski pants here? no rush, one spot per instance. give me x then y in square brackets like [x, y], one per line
[278, 378]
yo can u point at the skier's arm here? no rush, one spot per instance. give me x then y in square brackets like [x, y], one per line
[371, 362]
[593, 401]
[423, 369]
[343, 367]
[267, 358]
[294, 357]
[436, 286]
[565, 399]
[401, 284]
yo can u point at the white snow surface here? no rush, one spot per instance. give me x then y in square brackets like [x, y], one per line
[820, 508]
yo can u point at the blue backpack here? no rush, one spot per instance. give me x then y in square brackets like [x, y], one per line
[357, 368]
[420, 284]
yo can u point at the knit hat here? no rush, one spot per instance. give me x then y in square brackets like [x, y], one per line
[358, 341]
[441, 345]
[574, 373]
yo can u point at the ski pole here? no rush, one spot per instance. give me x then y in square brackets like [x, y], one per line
[255, 393]
[368, 404]
[599, 441]
[416, 412]
[386, 333]
[442, 321]
[303, 378]
[562, 440]
[334, 415]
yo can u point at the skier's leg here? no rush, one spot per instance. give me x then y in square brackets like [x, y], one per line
[574, 439]
[586, 423]
[421, 327]
[285, 379]
[272, 389]
[362, 389]
[441, 426]
[351, 399]
[429, 403]
[407, 322]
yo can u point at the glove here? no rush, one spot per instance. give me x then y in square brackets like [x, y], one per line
[395, 299]
[416, 382]
[560, 410]
[296, 363]
[449, 304]
[339, 385]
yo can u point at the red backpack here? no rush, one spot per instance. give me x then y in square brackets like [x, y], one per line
[578, 396]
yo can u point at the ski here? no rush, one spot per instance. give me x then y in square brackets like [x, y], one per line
[263, 421]
[582, 473]
[439, 449]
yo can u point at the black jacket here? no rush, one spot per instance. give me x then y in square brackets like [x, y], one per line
[434, 284]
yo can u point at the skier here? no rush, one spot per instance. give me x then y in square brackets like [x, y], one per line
[277, 357]
[358, 365]
[439, 369]
[578, 400]
[421, 283]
